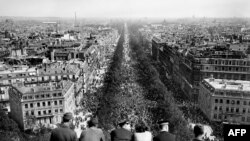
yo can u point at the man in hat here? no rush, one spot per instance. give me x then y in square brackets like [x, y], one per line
[198, 133]
[123, 133]
[164, 134]
[64, 132]
[92, 133]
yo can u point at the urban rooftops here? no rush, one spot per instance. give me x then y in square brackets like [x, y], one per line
[231, 85]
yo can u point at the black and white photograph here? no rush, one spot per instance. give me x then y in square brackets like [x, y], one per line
[124, 70]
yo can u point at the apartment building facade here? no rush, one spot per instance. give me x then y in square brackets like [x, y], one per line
[225, 100]
[188, 66]
[46, 102]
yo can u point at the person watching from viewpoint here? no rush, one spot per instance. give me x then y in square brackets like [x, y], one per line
[64, 132]
[123, 133]
[92, 133]
[198, 133]
[142, 133]
[164, 134]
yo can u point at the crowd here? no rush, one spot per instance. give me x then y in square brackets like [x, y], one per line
[124, 132]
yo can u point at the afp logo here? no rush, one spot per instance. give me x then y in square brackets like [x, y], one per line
[236, 132]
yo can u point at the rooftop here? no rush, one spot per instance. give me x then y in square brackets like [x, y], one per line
[58, 67]
[224, 84]
[51, 86]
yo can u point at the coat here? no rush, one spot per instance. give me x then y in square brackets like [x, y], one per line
[164, 136]
[121, 134]
[63, 133]
[92, 134]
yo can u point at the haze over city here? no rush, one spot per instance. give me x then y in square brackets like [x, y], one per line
[125, 8]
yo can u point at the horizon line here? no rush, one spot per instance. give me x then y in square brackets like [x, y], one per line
[126, 17]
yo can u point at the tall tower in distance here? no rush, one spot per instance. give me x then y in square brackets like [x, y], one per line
[75, 20]
[76, 26]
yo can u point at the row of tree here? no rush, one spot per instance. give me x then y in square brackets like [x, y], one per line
[148, 77]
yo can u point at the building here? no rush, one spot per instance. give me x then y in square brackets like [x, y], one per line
[225, 100]
[45, 102]
[189, 65]
[51, 72]
[157, 44]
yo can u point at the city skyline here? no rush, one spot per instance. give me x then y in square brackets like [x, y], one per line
[128, 8]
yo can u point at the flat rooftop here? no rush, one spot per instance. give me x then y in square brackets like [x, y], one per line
[224, 84]
[44, 87]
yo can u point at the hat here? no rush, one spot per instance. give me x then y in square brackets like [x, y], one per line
[163, 122]
[123, 122]
[68, 116]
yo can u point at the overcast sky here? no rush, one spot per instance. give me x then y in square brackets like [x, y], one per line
[125, 8]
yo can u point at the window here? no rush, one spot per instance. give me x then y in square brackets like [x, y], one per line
[55, 102]
[243, 119]
[48, 103]
[37, 96]
[228, 101]
[26, 105]
[39, 113]
[245, 103]
[221, 100]
[49, 111]
[232, 110]
[42, 95]
[44, 112]
[32, 113]
[60, 102]
[59, 94]
[238, 102]
[244, 110]
[31, 105]
[227, 109]
[216, 100]
[47, 95]
[24, 97]
[30, 97]
[61, 110]
[38, 104]
[54, 94]
[220, 109]
[27, 113]
[248, 119]
[237, 110]
[56, 110]
[215, 108]
[43, 103]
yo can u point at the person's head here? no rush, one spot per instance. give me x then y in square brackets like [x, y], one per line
[93, 122]
[163, 125]
[198, 130]
[67, 117]
[125, 124]
[140, 127]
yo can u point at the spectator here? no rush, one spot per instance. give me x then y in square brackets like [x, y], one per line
[64, 131]
[198, 132]
[164, 134]
[92, 133]
[123, 133]
[142, 133]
